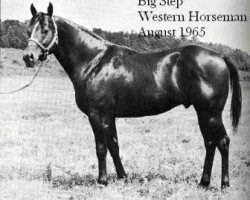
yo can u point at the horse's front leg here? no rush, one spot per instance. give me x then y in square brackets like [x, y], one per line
[101, 127]
[114, 151]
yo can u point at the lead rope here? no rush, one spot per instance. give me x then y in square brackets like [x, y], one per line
[27, 85]
[45, 49]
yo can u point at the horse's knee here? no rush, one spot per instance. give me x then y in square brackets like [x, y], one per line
[101, 150]
[212, 120]
[209, 145]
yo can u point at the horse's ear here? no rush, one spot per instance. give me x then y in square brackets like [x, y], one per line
[33, 10]
[50, 10]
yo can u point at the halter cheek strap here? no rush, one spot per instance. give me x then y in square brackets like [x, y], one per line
[53, 41]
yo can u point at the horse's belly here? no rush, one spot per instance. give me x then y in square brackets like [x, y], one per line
[144, 107]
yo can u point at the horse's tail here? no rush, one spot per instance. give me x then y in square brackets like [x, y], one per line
[236, 92]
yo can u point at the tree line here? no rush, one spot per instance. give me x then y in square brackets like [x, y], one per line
[14, 35]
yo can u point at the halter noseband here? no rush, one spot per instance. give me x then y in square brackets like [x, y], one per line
[53, 41]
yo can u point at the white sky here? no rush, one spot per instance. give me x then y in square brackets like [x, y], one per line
[121, 15]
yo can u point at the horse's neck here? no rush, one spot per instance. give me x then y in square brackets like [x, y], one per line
[76, 47]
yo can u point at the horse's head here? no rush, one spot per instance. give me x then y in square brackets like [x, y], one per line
[42, 32]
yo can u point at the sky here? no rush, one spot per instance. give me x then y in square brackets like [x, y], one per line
[122, 15]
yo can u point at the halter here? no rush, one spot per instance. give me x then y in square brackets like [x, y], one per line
[45, 50]
[53, 41]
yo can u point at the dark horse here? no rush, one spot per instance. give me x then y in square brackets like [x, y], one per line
[114, 81]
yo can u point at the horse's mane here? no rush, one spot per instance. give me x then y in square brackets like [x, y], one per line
[83, 29]
[79, 27]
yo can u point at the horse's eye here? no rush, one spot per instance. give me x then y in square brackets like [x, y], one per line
[28, 32]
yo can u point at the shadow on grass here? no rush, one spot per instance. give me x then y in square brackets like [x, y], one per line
[76, 180]
[176, 179]
[134, 178]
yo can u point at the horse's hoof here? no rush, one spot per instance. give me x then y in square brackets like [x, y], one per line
[103, 182]
[123, 178]
[204, 184]
[224, 185]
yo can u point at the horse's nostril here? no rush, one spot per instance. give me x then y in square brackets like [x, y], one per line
[32, 56]
[25, 57]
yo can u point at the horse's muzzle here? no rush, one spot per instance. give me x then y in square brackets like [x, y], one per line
[29, 60]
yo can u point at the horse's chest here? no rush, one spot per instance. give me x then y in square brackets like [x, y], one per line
[96, 97]
[81, 102]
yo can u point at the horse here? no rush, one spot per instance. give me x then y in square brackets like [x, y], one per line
[112, 81]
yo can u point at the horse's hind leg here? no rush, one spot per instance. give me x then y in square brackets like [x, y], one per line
[214, 135]
[114, 152]
[223, 147]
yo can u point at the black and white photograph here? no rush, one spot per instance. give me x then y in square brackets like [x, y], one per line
[129, 99]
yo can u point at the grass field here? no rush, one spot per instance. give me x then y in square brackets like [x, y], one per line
[41, 128]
